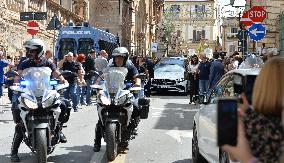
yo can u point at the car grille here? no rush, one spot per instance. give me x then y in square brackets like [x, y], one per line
[164, 82]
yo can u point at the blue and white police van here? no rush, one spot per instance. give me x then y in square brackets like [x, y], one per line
[81, 39]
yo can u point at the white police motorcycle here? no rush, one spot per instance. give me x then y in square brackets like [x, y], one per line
[115, 107]
[39, 103]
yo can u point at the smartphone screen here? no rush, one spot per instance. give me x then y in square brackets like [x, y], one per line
[227, 118]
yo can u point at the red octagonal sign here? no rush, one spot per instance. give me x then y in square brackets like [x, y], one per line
[33, 27]
[257, 14]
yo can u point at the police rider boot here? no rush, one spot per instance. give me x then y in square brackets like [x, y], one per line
[18, 137]
[62, 137]
[136, 122]
[97, 144]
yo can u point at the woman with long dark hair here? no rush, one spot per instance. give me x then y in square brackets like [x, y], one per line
[193, 79]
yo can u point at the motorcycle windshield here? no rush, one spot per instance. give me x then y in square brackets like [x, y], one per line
[37, 80]
[114, 79]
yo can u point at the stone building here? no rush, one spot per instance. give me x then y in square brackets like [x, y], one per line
[274, 8]
[194, 23]
[229, 28]
[13, 32]
[135, 22]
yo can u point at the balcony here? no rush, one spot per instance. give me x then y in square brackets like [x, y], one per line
[231, 35]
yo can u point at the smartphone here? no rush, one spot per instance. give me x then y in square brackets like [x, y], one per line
[227, 121]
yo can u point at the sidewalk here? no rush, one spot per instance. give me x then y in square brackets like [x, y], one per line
[5, 104]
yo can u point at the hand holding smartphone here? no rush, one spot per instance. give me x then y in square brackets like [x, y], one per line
[227, 121]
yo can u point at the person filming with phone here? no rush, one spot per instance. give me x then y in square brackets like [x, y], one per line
[260, 134]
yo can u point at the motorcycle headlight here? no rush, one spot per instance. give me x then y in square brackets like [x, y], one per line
[48, 102]
[30, 104]
[104, 100]
[121, 100]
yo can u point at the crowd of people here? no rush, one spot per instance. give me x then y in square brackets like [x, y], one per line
[204, 73]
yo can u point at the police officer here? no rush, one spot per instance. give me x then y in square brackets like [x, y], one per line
[35, 49]
[120, 57]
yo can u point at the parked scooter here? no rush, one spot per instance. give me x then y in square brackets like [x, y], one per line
[115, 109]
[39, 103]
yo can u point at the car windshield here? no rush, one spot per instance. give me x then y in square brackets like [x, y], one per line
[176, 63]
[169, 68]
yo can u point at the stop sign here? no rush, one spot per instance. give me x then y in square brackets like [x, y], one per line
[33, 27]
[245, 20]
[257, 14]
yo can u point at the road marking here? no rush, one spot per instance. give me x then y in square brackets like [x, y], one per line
[181, 115]
[158, 114]
[179, 134]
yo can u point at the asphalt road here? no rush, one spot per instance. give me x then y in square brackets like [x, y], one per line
[164, 137]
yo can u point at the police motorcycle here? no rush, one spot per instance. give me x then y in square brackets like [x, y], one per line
[39, 104]
[115, 109]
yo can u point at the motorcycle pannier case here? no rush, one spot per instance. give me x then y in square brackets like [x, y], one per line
[144, 105]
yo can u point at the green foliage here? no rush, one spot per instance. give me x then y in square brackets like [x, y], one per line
[168, 24]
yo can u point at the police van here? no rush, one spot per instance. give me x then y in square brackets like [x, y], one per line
[81, 39]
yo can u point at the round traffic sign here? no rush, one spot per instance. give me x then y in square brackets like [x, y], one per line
[257, 14]
[245, 20]
[33, 27]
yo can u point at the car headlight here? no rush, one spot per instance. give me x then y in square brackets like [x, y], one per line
[30, 104]
[180, 80]
[48, 102]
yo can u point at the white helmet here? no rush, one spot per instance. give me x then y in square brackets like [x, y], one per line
[35, 44]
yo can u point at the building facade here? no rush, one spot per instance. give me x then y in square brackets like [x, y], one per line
[274, 8]
[13, 32]
[195, 26]
[229, 31]
[133, 21]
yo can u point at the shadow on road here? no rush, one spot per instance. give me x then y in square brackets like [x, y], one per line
[183, 161]
[177, 116]
[77, 154]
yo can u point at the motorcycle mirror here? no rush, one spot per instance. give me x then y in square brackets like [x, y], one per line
[16, 88]
[142, 76]
[135, 89]
[95, 86]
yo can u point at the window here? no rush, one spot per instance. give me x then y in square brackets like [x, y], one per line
[175, 10]
[234, 30]
[200, 10]
[198, 34]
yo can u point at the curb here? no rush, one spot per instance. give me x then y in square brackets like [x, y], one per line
[99, 157]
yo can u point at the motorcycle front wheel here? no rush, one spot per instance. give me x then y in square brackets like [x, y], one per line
[41, 145]
[111, 143]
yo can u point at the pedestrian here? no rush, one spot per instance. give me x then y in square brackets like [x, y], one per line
[9, 79]
[68, 63]
[217, 70]
[101, 61]
[203, 72]
[260, 126]
[193, 78]
[81, 82]
[3, 63]
[48, 55]
[89, 73]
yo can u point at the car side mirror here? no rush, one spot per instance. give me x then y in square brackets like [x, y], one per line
[238, 84]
